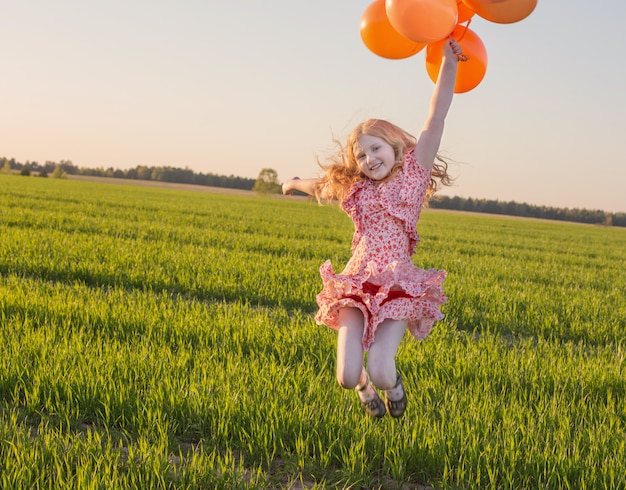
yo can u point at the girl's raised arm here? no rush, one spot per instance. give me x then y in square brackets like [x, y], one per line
[430, 137]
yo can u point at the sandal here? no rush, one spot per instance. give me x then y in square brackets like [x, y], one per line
[396, 407]
[375, 406]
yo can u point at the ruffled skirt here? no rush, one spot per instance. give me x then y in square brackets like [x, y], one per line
[401, 291]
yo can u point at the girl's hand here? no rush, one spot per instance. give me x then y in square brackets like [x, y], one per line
[451, 48]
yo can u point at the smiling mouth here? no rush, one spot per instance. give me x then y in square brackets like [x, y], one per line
[374, 167]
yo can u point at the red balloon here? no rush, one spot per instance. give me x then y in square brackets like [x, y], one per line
[381, 38]
[502, 11]
[422, 21]
[469, 73]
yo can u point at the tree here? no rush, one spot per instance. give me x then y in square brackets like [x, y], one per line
[59, 173]
[267, 182]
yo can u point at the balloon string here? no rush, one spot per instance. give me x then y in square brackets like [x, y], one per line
[465, 30]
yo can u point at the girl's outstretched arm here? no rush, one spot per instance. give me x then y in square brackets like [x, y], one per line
[430, 137]
[297, 184]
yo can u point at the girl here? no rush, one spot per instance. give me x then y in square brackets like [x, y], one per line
[382, 178]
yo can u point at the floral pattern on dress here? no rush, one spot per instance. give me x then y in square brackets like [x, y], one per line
[380, 278]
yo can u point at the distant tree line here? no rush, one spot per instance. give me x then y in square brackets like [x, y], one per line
[267, 183]
[512, 208]
[141, 172]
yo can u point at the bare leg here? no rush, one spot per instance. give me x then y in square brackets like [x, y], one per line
[381, 360]
[350, 371]
[350, 347]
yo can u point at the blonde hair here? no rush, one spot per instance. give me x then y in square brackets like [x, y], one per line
[341, 170]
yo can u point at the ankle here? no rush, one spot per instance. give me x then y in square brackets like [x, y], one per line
[365, 389]
[364, 380]
[395, 399]
[397, 392]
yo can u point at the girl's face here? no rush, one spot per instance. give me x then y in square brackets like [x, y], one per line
[375, 157]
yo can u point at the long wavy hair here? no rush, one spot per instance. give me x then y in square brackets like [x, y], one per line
[341, 170]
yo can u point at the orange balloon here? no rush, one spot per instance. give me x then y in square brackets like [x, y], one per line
[469, 73]
[465, 13]
[381, 38]
[502, 11]
[422, 21]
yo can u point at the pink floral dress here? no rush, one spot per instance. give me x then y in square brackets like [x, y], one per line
[380, 279]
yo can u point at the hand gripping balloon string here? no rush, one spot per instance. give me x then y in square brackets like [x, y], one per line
[463, 57]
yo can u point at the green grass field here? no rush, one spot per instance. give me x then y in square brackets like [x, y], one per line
[155, 338]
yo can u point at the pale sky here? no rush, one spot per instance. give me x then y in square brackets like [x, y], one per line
[231, 87]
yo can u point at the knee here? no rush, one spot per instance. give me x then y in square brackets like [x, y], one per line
[348, 379]
[382, 374]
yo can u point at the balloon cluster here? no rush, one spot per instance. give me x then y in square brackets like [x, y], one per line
[397, 29]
